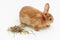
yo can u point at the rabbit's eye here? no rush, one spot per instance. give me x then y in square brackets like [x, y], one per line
[50, 19]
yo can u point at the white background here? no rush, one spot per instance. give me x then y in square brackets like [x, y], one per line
[9, 16]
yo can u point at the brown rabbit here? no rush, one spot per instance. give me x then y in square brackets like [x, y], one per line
[30, 16]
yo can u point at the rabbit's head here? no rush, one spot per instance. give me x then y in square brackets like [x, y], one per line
[48, 17]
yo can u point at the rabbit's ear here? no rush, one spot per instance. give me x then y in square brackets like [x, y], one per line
[46, 8]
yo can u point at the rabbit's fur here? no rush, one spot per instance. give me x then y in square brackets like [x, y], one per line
[30, 16]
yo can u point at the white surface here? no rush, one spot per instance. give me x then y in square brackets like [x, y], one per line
[9, 15]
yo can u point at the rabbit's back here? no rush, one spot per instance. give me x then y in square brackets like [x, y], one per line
[30, 16]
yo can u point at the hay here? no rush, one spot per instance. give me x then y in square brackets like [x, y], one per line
[17, 29]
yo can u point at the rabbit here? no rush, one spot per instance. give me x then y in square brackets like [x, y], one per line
[30, 16]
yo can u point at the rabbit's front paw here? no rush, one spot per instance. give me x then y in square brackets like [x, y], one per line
[47, 25]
